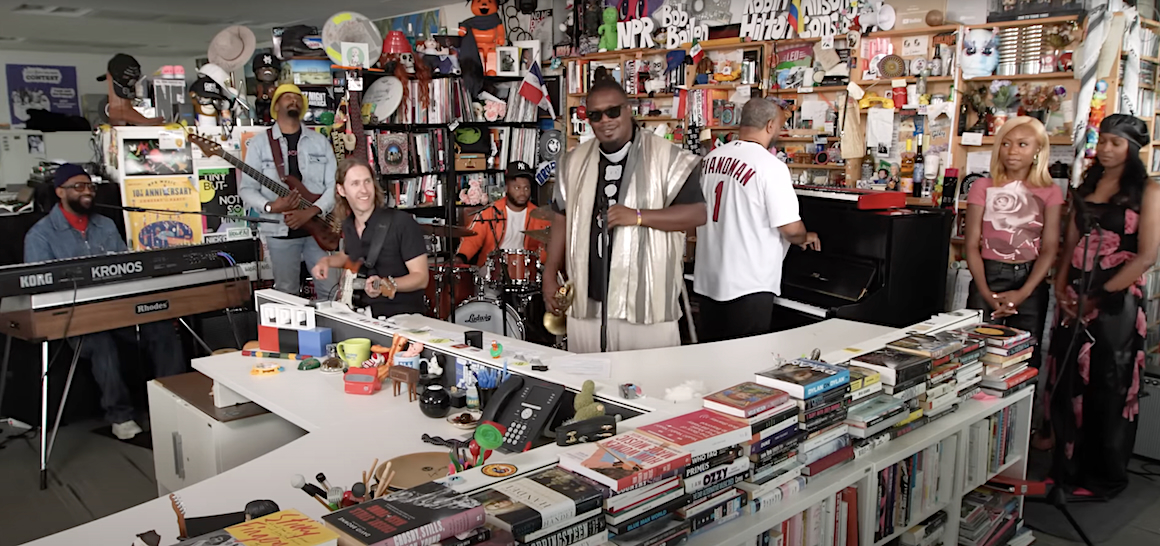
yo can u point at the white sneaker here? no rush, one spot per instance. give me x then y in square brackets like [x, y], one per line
[126, 430]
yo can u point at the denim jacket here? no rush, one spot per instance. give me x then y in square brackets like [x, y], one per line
[315, 161]
[53, 238]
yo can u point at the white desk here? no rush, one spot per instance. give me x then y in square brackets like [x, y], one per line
[348, 431]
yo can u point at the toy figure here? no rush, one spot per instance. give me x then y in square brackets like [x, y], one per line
[482, 34]
[403, 66]
[883, 178]
[607, 31]
[585, 404]
[980, 53]
[440, 59]
[895, 181]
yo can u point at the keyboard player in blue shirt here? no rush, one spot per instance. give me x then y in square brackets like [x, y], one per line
[73, 230]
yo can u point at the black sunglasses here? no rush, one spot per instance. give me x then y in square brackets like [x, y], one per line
[81, 187]
[594, 116]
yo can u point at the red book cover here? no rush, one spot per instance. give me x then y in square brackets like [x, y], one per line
[829, 461]
[423, 514]
[746, 399]
[1017, 486]
[851, 495]
[1021, 377]
[625, 460]
[701, 431]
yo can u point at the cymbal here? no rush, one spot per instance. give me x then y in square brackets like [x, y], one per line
[542, 213]
[457, 232]
[541, 235]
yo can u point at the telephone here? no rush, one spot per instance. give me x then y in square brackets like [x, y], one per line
[524, 406]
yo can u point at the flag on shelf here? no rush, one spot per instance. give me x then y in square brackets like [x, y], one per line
[534, 90]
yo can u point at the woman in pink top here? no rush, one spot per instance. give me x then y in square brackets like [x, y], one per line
[1013, 226]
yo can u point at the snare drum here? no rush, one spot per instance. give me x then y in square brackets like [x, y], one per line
[523, 269]
[441, 281]
[485, 314]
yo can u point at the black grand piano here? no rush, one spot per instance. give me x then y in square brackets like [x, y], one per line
[879, 263]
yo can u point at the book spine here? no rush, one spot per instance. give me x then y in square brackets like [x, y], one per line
[825, 463]
[651, 474]
[649, 517]
[772, 420]
[439, 530]
[725, 458]
[718, 487]
[716, 453]
[571, 534]
[773, 452]
[723, 511]
[825, 399]
[776, 439]
[716, 475]
[482, 534]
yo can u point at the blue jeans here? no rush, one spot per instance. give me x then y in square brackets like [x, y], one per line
[287, 255]
[162, 347]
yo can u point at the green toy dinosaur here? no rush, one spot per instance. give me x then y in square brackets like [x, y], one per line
[608, 30]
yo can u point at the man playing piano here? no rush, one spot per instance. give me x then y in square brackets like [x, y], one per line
[309, 158]
[651, 191]
[754, 215]
[72, 230]
[504, 230]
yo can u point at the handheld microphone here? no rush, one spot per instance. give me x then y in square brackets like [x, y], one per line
[299, 482]
[321, 479]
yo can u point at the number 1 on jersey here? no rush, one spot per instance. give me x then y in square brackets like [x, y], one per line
[717, 199]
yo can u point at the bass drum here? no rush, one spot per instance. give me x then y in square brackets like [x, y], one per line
[484, 314]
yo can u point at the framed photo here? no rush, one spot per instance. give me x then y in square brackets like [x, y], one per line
[529, 52]
[507, 61]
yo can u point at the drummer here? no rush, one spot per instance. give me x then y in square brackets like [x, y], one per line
[491, 225]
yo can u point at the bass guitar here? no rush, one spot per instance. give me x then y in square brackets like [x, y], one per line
[323, 227]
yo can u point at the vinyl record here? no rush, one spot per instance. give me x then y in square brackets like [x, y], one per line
[551, 145]
[384, 95]
[892, 66]
[348, 26]
[727, 116]
[418, 468]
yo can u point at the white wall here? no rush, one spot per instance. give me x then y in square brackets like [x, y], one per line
[88, 65]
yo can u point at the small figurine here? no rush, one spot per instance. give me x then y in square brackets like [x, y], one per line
[895, 178]
[608, 38]
[496, 349]
[883, 178]
[309, 364]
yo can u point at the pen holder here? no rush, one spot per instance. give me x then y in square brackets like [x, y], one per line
[484, 396]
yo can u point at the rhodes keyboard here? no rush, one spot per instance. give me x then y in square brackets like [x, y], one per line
[61, 275]
[52, 300]
[862, 199]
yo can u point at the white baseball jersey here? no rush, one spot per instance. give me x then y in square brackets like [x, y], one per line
[749, 194]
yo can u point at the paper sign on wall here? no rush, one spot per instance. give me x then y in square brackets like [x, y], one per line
[915, 46]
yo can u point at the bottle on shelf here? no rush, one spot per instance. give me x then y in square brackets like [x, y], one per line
[935, 64]
[919, 174]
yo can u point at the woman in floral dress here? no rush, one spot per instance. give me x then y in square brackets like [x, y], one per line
[1097, 349]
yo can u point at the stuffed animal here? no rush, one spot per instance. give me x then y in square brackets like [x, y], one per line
[494, 110]
[482, 34]
[585, 402]
[474, 194]
[608, 30]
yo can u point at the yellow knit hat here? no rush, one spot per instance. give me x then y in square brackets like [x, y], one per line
[282, 90]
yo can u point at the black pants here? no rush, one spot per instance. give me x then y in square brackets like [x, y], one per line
[1002, 277]
[749, 315]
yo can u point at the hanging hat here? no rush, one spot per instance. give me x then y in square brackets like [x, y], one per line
[266, 66]
[282, 90]
[232, 47]
[126, 72]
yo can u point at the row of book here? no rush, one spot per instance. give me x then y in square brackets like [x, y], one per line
[582, 74]
[989, 445]
[911, 488]
[991, 518]
[449, 100]
[831, 522]
[418, 192]
[406, 153]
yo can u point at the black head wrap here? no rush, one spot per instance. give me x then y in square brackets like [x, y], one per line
[1129, 127]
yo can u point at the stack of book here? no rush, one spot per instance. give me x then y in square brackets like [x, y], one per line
[875, 415]
[771, 449]
[904, 378]
[643, 476]
[989, 517]
[551, 507]
[942, 391]
[716, 444]
[1005, 360]
[424, 514]
[927, 533]
[834, 521]
[909, 490]
[819, 389]
[864, 383]
[970, 371]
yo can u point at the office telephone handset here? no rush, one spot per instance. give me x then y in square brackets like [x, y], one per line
[524, 406]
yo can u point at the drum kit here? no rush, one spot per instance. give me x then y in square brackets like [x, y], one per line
[503, 296]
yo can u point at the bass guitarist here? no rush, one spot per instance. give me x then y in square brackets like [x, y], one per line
[305, 155]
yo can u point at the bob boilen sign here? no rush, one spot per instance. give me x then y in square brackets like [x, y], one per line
[765, 20]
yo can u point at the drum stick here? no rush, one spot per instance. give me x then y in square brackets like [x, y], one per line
[322, 502]
[390, 478]
[384, 480]
[371, 475]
